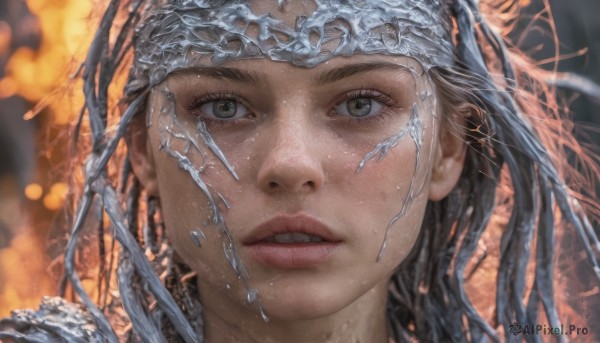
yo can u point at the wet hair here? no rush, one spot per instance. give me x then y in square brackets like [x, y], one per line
[515, 163]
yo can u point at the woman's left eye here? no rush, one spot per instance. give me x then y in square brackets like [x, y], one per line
[223, 109]
[359, 107]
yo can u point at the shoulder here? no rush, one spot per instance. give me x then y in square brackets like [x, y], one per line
[56, 320]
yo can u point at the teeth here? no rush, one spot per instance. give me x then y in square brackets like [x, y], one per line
[294, 237]
[300, 237]
[315, 239]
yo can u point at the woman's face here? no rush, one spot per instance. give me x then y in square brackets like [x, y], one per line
[327, 158]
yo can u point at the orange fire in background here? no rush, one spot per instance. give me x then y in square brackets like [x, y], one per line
[65, 28]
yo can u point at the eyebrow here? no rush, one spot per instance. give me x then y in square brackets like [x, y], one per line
[230, 74]
[330, 76]
[343, 72]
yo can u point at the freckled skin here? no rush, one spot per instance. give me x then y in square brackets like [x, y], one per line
[298, 158]
[294, 153]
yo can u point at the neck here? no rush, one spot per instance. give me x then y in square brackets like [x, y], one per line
[362, 321]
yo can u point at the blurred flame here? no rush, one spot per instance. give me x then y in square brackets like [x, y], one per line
[5, 37]
[65, 28]
[54, 199]
[8, 87]
[33, 191]
[24, 269]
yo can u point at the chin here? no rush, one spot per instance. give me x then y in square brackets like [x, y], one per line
[306, 310]
[304, 305]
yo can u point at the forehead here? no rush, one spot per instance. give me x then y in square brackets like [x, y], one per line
[302, 33]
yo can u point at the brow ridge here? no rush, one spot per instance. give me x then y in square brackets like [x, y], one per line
[346, 71]
[223, 73]
[326, 77]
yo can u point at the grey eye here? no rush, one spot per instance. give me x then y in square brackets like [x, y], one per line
[224, 109]
[359, 107]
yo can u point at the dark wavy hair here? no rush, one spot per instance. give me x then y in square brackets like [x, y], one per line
[515, 169]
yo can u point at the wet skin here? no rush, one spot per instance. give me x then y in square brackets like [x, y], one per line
[295, 138]
[295, 146]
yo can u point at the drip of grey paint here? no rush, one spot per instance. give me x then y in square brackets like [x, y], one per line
[197, 235]
[169, 129]
[415, 129]
[210, 142]
[416, 132]
[263, 314]
[188, 33]
[382, 148]
[251, 295]
[185, 135]
[224, 201]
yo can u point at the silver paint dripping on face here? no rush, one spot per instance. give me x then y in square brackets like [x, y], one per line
[197, 237]
[171, 129]
[382, 148]
[415, 130]
[224, 201]
[210, 142]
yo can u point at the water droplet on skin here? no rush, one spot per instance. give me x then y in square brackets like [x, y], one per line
[251, 295]
[197, 237]
[228, 286]
[264, 315]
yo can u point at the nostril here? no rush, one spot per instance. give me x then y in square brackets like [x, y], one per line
[273, 185]
[310, 184]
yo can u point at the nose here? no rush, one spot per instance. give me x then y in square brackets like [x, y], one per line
[291, 160]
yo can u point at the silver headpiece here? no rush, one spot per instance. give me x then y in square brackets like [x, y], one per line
[193, 32]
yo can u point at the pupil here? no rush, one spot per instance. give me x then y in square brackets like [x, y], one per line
[224, 108]
[359, 107]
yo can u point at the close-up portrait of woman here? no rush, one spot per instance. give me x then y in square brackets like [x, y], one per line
[319, 171]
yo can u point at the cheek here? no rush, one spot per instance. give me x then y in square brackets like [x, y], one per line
[391, 190]
[382, 185]
[184, 208]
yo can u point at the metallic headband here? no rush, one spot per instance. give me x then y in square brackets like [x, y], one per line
[195, 32]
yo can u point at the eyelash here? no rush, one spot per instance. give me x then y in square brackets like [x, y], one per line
[199, 101]
[383, 98]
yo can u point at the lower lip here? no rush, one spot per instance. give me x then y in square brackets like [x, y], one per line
[291, 255]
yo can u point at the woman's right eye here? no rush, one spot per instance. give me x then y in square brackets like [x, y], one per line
[223, 109]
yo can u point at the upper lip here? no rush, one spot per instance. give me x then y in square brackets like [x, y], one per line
[300, 223]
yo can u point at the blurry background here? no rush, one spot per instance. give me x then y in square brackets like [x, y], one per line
[577, 27]
[38, 39]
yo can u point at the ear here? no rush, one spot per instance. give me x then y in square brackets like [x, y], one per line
[448, 163]
[140, 154]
